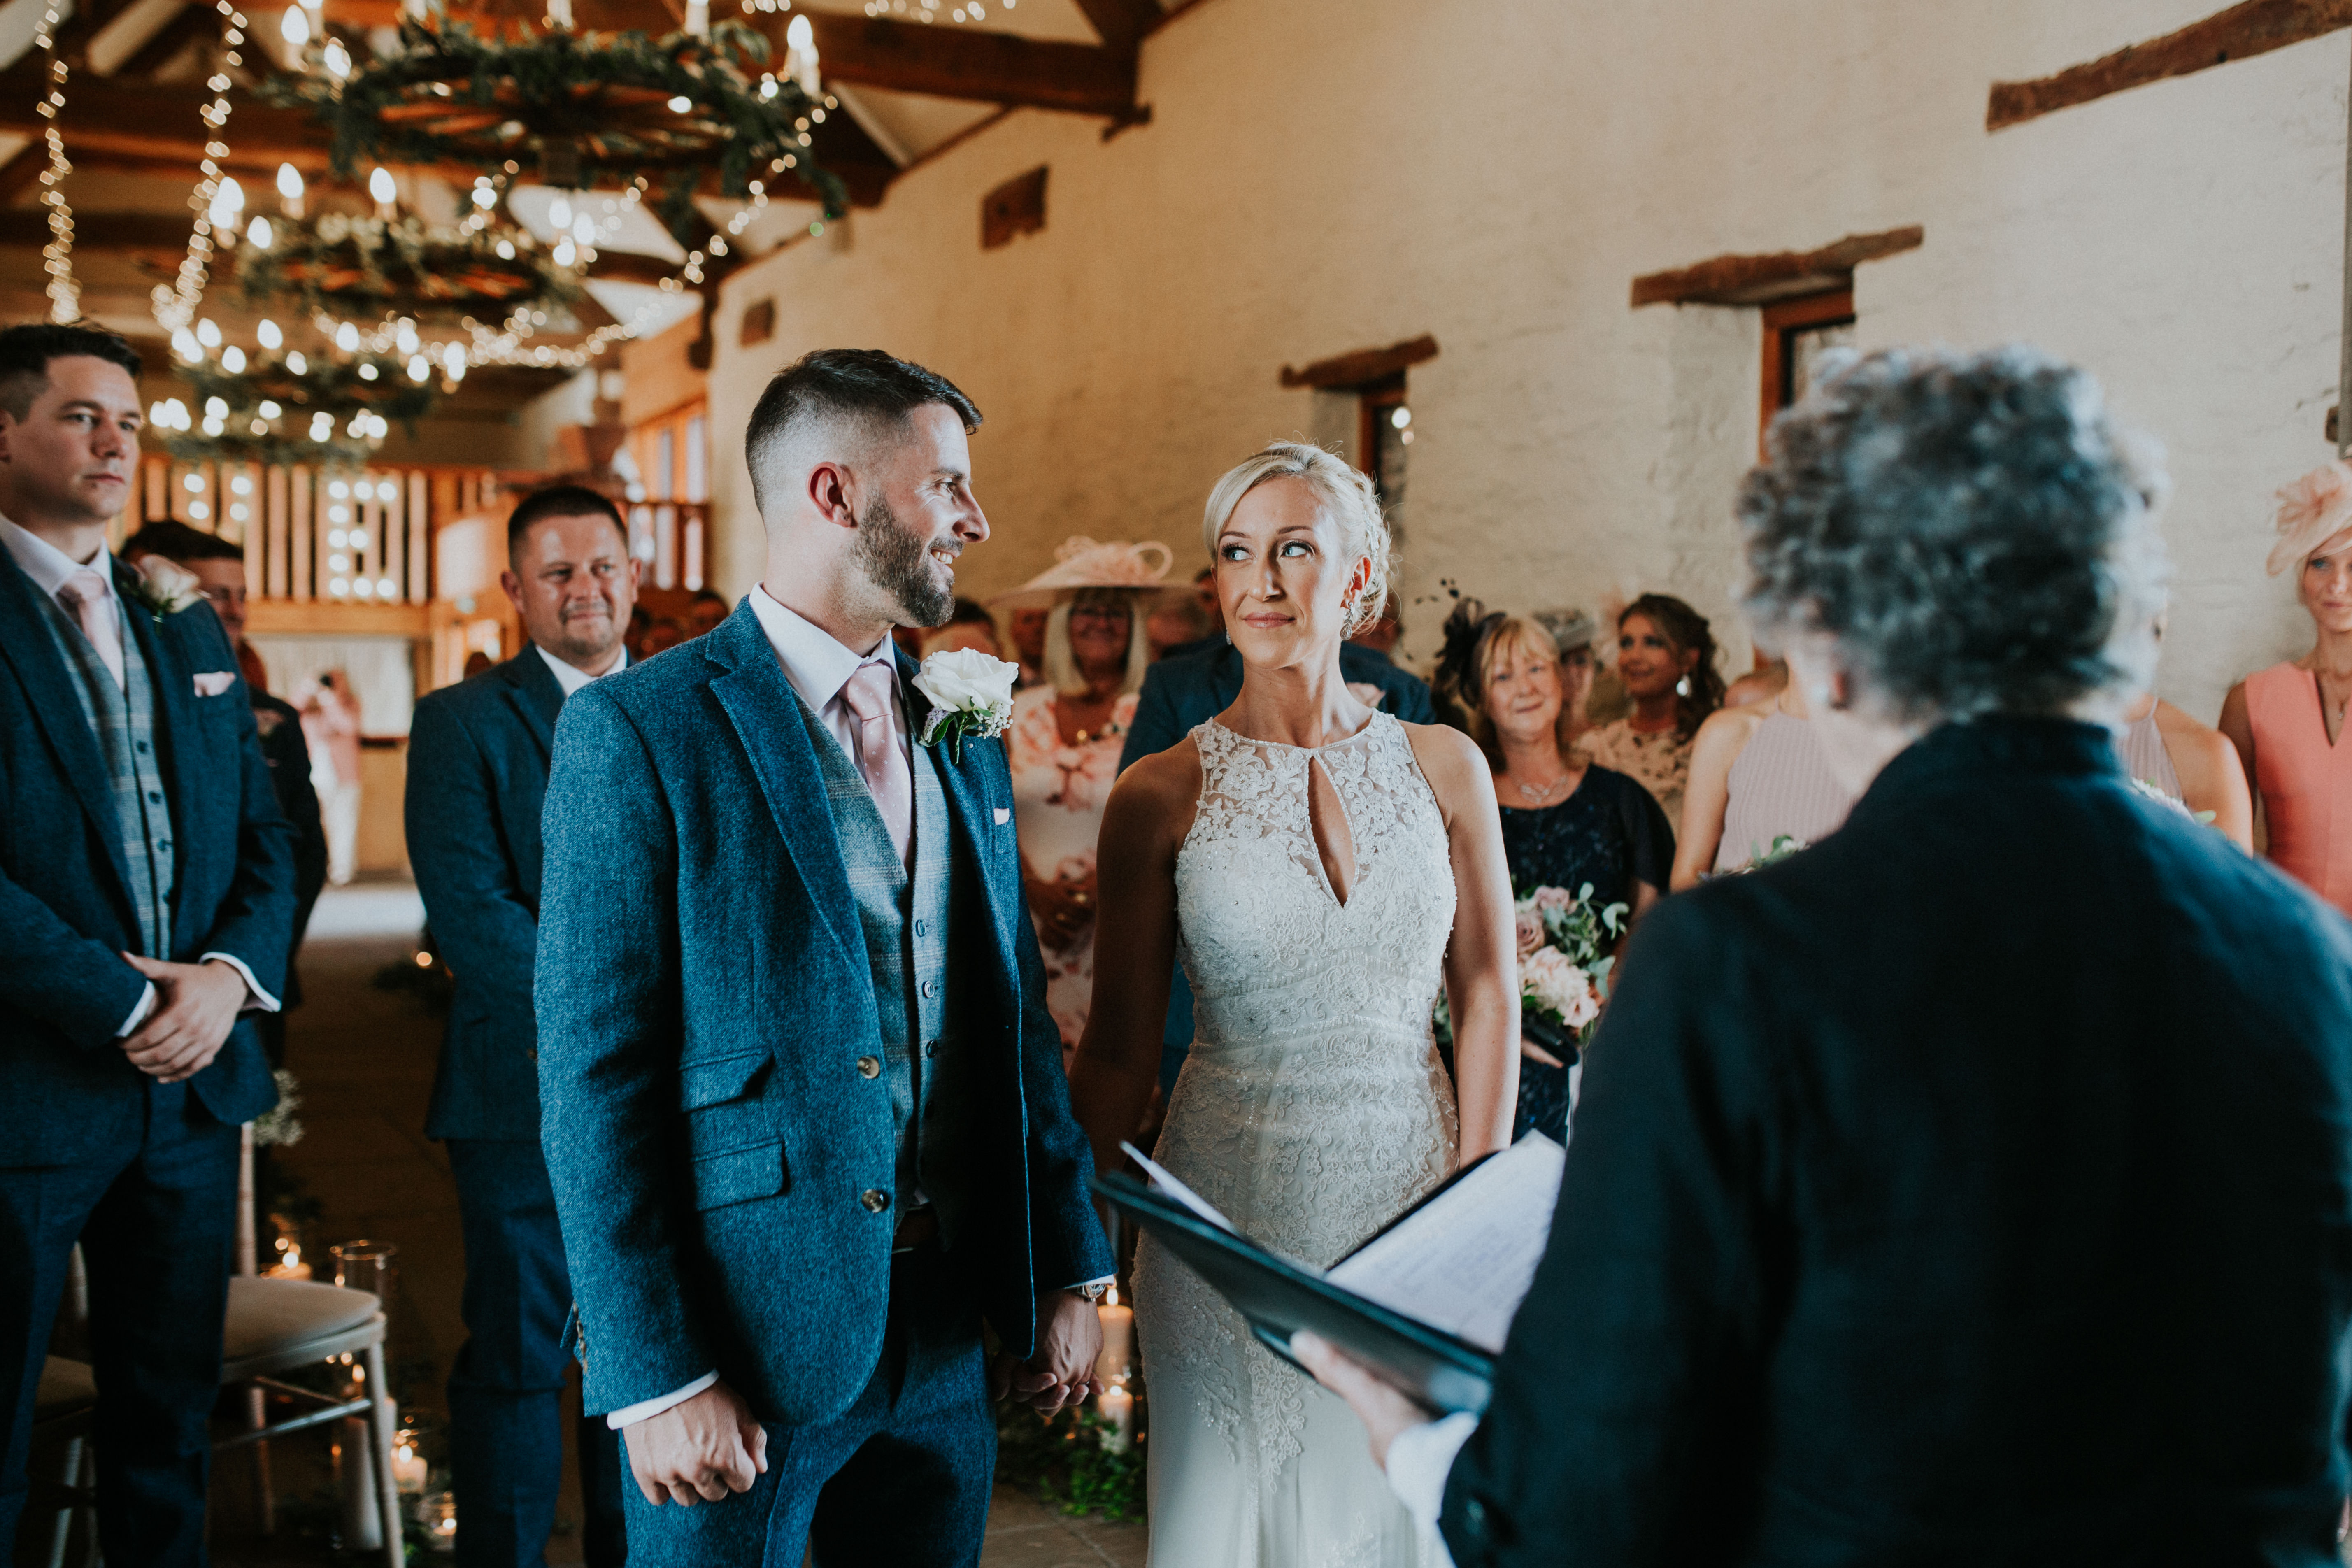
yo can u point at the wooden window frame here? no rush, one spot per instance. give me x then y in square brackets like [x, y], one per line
[1783, 319]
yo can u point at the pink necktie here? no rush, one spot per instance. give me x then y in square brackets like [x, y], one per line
[879, 759]
[85, 593]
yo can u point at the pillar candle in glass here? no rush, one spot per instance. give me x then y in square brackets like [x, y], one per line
[1117, 1405]
[1117, 1338]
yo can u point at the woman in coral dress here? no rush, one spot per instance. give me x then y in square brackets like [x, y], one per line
[2287, 721]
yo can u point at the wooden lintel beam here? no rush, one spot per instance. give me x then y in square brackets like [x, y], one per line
[23, 172]
[1753, 280]
[2256, 28]
[168, 41]
[1363, 365]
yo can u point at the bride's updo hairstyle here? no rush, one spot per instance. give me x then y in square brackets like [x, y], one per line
[1970, 531]
[1347, 500]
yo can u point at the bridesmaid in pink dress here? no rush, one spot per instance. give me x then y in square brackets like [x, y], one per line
[2287, 721]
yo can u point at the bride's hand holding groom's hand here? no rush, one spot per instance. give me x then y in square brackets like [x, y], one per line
[1061, 1375]
[699, 1448]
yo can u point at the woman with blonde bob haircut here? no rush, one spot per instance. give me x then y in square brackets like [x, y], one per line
[1322, 870]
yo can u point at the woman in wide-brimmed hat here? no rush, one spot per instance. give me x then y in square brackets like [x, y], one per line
[1063, 745]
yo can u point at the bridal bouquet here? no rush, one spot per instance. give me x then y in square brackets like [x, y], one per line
[1564, 963]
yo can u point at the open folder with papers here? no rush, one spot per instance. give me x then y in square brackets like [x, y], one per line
[1425, 1302]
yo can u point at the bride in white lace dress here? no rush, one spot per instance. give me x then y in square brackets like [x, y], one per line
[1321, 869]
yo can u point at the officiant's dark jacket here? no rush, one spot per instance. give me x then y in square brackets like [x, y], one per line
[478, 759]
[1974, 1187]
[69, 1093]
[722, 1160]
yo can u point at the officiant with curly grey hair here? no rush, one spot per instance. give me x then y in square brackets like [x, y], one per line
[1972, 1188]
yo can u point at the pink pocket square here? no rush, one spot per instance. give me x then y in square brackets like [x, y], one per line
[213, 682]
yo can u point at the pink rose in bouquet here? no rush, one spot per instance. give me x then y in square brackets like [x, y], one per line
[1551, 981]
[1531, 930]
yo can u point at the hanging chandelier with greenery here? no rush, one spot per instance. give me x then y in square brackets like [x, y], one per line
[363, 268]
[290, 408]
[589, 109]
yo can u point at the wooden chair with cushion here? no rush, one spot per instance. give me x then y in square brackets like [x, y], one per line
[276, 1326]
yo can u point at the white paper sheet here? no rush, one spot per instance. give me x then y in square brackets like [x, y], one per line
[1464, 1261]
[1162, 1182]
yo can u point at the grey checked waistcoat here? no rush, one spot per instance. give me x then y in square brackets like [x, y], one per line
[123, 720]
[905, 918]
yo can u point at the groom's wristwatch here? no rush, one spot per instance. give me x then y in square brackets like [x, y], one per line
[1093, 1292]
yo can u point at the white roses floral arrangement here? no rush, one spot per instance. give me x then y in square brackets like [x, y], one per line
[970, 694]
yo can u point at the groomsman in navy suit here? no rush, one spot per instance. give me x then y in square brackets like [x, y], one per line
[147, 891]
[477, 757]
[802, 1101]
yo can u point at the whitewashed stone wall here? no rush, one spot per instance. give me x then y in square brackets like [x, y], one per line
[1324, 175]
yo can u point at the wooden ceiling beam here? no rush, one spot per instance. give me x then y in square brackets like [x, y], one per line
[2254, 28]
[902, 56]
[168, 41]
[1122, 24]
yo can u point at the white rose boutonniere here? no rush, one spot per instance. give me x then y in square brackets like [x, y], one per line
[970, 694]
[165, 588]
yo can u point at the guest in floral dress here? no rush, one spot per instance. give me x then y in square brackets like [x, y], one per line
[1064, 747]
[1665, 659]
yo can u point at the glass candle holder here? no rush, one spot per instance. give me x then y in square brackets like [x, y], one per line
[364, 1265]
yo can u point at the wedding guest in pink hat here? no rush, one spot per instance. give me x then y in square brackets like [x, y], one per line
[2285, 720]
[1064, 742]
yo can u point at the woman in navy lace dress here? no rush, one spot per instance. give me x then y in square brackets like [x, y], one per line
[1567, 822]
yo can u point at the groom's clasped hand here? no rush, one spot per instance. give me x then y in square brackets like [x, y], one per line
[1061, 1375]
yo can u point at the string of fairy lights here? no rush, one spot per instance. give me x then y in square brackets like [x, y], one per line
[56, 256]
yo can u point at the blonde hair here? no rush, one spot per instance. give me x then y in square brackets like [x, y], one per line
[1348, 499]
[1514, 634]
[1062, 666]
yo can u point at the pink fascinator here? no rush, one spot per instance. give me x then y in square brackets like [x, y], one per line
[2312, 511]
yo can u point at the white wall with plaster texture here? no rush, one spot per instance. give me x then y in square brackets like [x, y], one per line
[1325, 175]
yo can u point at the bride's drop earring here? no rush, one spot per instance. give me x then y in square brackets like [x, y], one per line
[1682, 687]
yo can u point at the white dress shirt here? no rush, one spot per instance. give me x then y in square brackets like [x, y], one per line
[570, 677]
[50, 569]
[1419, 1461]
[818, 668]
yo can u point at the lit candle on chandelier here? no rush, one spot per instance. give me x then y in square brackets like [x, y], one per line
[381, 186]
[559, 15]
[289, 190]
[697, 17]
[1117, 1338]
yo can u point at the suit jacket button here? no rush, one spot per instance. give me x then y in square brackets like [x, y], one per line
[869, 1066]
[875, 1199]
[930, 987]
[930, 1047]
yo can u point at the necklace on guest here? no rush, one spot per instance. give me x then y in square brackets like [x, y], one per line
[1534, 796]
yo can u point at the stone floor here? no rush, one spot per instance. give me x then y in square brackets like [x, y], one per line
[364, 1057]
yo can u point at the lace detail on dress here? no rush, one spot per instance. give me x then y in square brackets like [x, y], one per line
[1313, 1106]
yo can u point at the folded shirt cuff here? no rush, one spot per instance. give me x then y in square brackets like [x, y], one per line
[138, 1013]
[256, 999]
[1421, 1459]
[648, 1408]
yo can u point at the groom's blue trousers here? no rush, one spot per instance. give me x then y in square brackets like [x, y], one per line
[506, 1391]
[900, 1480]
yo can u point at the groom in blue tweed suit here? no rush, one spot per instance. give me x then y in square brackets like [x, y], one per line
[801, 1102]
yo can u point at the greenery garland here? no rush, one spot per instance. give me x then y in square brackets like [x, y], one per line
[340, 265]
[590, 108]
